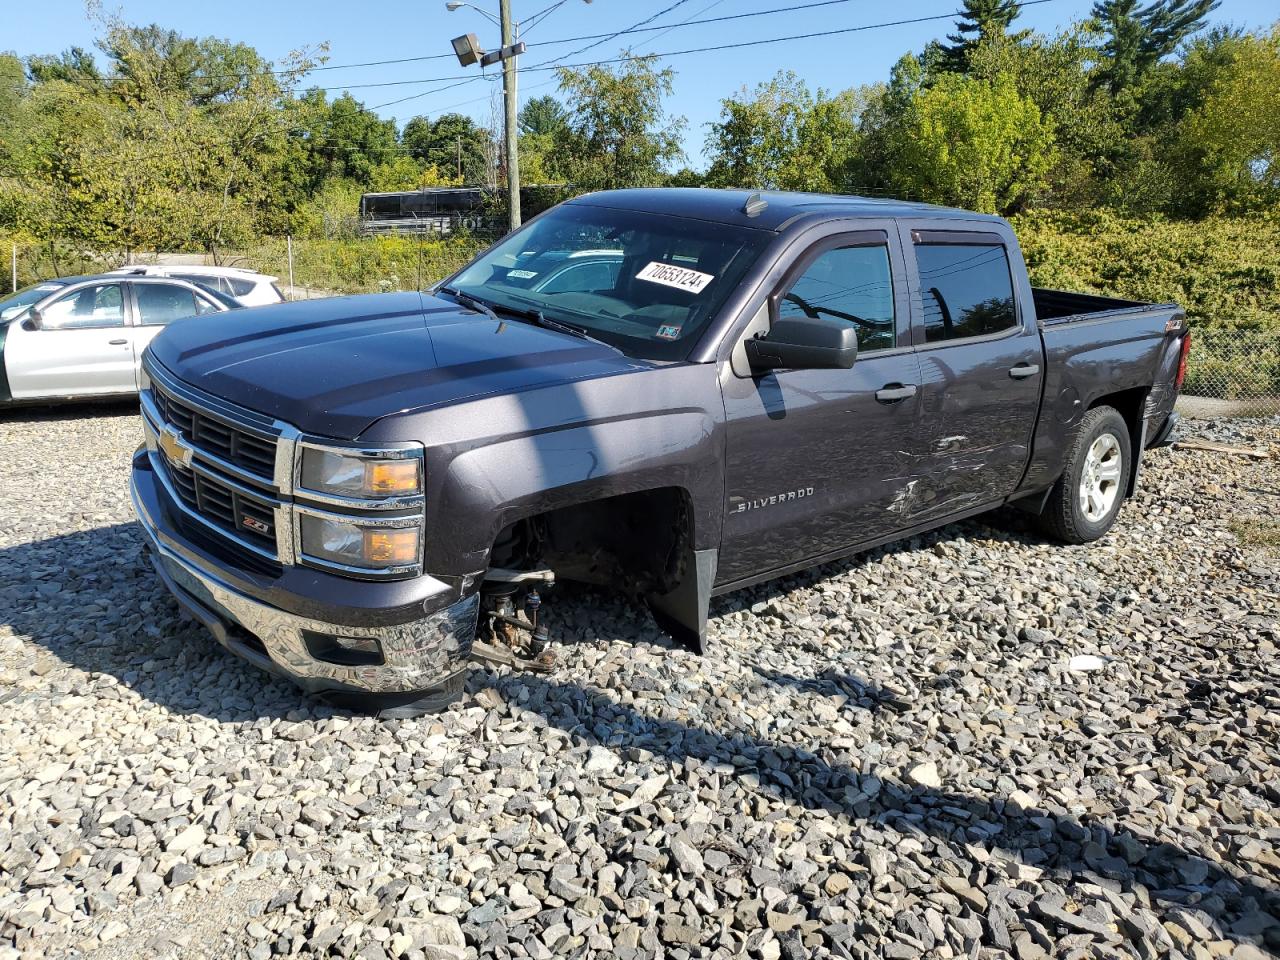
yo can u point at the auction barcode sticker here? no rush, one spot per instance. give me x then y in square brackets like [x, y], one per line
[669, 275]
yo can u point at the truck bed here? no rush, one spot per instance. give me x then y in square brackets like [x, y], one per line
[1061, 306]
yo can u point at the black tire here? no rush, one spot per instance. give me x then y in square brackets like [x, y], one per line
[1064, 516]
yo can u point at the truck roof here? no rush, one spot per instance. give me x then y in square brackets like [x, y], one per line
[783, 210]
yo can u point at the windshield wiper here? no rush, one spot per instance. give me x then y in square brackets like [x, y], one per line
[473, 302]
[532, 313]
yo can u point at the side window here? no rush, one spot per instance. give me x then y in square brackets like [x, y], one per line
[100, 306]
[853, 284]
[162, 303]
[204, 306]
[237, 287]
[967, 290]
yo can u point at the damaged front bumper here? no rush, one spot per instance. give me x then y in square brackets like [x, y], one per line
[377, 653]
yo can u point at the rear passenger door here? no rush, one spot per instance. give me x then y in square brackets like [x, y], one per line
[158, 303]
[981, 366]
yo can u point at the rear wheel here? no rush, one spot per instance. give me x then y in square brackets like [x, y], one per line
[1085, 501]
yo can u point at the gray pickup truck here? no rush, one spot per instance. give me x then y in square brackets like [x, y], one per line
[677, 393]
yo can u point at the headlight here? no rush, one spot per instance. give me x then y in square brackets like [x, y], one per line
[377, 546]
[361, 475]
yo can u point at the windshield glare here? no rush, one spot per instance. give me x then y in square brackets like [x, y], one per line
[645, 283]
[16, 305]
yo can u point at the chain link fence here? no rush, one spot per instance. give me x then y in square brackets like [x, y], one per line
[1236, 372]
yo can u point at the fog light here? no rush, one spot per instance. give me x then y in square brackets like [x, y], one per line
[344, 651]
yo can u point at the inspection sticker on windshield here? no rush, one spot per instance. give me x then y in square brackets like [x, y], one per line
[668, 331]
[669, 275]
[522, 274]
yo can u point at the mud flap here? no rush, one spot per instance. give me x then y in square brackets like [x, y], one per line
[682, 612]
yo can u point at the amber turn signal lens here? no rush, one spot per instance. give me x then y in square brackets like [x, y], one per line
[391, 546]
[389, 477]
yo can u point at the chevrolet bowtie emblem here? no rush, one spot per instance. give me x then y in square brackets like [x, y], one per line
[174, 448]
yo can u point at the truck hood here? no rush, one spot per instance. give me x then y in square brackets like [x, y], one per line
[332, 367]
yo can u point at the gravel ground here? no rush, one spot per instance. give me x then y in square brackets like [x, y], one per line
[893, 756]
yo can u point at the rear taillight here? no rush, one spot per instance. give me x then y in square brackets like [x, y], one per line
[1182, 361]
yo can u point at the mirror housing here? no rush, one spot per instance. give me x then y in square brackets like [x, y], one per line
[804, 343]
[34, 321]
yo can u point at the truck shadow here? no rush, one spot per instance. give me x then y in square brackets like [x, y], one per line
[1072, 859]
[92, 599]
[37, 412]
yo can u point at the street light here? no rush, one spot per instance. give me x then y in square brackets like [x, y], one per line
[469, 52]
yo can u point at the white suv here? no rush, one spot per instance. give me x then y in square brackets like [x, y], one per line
[250, 288]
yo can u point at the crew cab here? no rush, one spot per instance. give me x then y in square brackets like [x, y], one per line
[360, 493]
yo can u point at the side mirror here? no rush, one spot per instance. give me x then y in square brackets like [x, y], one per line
[804, 343]
[34, 320]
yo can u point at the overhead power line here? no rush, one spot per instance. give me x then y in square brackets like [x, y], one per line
[631, 29]
[660, 29]
[814, 35]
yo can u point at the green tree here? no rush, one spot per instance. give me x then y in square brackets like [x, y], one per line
[1054, 73]
[453, 143]
[543, 116]
[343, 139]
[619, 134]
[782, 137]
[1136, 38]
[980, 20]
[975, 144]
[1230, 142]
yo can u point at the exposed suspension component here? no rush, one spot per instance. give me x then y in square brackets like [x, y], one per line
[506, 635]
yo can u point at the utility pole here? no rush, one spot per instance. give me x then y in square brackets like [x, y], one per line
[509, 95]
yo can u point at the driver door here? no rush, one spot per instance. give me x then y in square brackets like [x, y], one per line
[822, 460]
[83, 347]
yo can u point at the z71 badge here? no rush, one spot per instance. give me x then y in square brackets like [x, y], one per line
[256, 525]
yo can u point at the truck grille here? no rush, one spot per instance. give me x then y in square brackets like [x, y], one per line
[226, 507]
[207, 433]
[226, 482]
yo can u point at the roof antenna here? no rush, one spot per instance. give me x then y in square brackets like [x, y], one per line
[755, 205]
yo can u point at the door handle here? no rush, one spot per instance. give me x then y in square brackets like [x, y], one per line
[117, 343]
[1024, 370]
[893, 392]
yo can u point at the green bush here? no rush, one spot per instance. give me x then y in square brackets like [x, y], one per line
[364, 264]
[1225, 271]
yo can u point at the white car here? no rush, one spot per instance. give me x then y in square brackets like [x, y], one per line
[80, 337]
[250, 288]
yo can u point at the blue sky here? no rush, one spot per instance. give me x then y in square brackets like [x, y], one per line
[388, 29]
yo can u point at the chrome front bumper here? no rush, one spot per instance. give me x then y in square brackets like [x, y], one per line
[418, 656]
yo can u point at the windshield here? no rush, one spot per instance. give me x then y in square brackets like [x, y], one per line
[16, 305]
[646, 283]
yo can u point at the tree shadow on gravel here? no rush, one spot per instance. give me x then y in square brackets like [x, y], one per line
[1050, 846]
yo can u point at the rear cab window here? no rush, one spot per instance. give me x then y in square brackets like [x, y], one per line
[966, 287]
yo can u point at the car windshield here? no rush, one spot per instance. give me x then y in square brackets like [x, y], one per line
[15, 306]
[646, 283]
